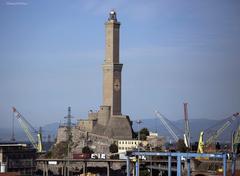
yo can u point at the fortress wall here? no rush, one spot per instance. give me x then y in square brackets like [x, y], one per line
[100, 144]
[61, 134]
[104, 115]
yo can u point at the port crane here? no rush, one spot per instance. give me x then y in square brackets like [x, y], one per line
[186, 135]
[166, 125]
[236, 141]
[215, 136]
[29, 131]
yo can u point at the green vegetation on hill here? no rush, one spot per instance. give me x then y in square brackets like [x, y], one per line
[59, 150]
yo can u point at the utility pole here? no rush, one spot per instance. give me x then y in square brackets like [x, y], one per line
[187, 129]
[138, 164]
[69, 124]
[49, 138]
[151, 161]
[69, 136]
[13, 133]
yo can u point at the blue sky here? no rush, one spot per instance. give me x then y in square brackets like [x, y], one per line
[51, 53]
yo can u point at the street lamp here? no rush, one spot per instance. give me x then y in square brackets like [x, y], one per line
[151, 161]
[138, 164]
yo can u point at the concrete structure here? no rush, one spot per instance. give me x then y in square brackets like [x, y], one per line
[80, 138]
[130, 145]
[152, 134]
[127, 145]
[106, 167]
[108, 121]
[18, 158]
[87, 125]
[155, 141]
[180, 156]
[112, 68]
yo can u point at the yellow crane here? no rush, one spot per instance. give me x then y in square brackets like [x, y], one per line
[236, 141]
[214, 137]
[29, 130]
[200, 143]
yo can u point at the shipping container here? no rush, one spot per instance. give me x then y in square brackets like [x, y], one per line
[81, 156]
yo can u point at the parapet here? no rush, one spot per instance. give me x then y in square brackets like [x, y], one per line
[104, 115]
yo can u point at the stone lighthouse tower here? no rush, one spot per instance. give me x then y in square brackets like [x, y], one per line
[109, 120]
[112, 68]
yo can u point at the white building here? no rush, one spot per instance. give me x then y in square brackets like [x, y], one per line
[128, 145]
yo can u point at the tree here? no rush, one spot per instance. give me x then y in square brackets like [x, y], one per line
[87, 150]
[158, 149]
[218, 146]
[144, 171]
[135, 135]
[181, 146]
[144, 132]
[113, 148]
[59, 150]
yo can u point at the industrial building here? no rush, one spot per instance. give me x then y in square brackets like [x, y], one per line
[18, 158]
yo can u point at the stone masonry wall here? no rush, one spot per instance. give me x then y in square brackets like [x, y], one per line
[61, 134]
[99, 144]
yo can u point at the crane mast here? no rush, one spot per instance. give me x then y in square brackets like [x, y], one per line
[236, 141]
[214, 137]
[187, 129]
[162, 119]
[200, 143]
[28, 129]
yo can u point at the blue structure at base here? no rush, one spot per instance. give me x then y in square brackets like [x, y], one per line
[233, 163]
[179, 166]
[136, 166]
[188, 167]
[169, 165]
[128, 166]
[188, 156]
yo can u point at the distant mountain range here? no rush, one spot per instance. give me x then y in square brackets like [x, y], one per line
[49, 129]
[154, 125]
[196, 126]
